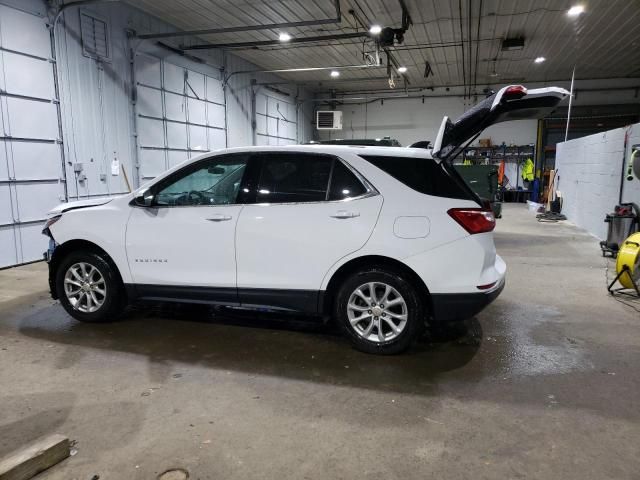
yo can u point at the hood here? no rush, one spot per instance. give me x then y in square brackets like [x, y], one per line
[513, 102]
[92, 202]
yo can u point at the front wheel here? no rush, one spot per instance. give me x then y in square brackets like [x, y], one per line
[89, 287]
[379, 311]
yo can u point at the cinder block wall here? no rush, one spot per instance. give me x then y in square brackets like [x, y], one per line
[589, 170]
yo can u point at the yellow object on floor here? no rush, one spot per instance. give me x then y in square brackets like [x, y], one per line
[629, 255]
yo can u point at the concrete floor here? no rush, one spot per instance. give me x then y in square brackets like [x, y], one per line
[543, 384]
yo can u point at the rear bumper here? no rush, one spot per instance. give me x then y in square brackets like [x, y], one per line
[448, 307]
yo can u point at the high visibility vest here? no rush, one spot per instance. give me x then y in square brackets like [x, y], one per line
[527, 170]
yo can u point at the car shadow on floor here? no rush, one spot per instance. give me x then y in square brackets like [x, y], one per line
[261, 343]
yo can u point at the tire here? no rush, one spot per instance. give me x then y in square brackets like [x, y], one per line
[104, 278]
[405, 310]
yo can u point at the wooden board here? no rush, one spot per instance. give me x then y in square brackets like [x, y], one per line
[29, 461]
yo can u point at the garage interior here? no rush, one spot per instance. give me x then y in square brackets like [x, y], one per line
[98, 97]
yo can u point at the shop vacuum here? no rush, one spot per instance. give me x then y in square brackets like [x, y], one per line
[623, 222]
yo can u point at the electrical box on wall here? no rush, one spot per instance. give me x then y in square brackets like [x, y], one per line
[329, 120]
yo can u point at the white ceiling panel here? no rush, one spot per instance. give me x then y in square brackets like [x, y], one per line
[461, 39]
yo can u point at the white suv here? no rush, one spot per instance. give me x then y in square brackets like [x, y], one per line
[383, 240]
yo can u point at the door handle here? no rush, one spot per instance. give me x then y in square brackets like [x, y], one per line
[219, 217]
[345, 214]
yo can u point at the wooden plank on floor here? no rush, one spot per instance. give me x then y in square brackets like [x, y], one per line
[29, 461]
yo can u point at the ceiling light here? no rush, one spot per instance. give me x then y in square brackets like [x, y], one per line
[335, 73]
[402, 69]
[284, 37]
[539, 59]
[575, 10]
[375, 29]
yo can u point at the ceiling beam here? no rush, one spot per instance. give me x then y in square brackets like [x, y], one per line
[248, 28]
[267, 43]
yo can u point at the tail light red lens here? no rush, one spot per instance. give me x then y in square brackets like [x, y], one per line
[474, 220]
[514, 92]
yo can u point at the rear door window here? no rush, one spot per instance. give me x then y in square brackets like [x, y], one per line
[293, 178]
[344, 183]
[424, 175]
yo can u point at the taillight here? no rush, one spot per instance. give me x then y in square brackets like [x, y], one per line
[514, 92]
[473, 220]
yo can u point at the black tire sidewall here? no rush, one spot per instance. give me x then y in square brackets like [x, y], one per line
[113, 303]
[415, 320]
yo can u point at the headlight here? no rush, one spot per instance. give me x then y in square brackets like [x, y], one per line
[51, 221]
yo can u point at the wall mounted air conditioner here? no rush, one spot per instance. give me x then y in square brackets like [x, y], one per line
[329, 120]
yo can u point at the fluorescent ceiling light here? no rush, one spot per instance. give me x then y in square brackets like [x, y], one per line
[284, 37]
[402, 69]
[539, 59]
[375, 29]
[335, 73]
[575, 10]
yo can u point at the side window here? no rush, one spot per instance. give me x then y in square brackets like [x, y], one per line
[344, 183]
[423, 175]
[214, 181]
[293, 178]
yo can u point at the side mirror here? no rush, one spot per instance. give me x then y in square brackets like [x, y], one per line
[144, 199]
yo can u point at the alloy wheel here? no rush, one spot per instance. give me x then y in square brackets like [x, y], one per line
[377, 312]
[84, 287]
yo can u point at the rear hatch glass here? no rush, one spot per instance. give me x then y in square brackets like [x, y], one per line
[425, 176]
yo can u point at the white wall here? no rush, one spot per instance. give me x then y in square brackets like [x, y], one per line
[589, 170]
[411, 119]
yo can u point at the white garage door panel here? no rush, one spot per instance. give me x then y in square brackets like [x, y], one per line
[32, 241]
[24, 32]
[261, 124]
[177, 157]
[214, 91]
[4, 172]
[272, 126]
[8, 244]
[148, 71]
[261, 104]
[197, 111]
[175, 107]
[153, 163]
[186, 110]
[217, 139]
[29, 119]
[151, 132]
[36, 160]
[30, 170]
[198, 137]
[196, 82]
[36, 199]
[173, 78]
[177, 135]
[26, 76]
[216, 115]
[5, 201]
[150, 102]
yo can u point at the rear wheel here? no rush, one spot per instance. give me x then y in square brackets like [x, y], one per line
[379, 311]
[89, 287]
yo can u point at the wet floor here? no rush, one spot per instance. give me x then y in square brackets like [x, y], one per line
[542, 384]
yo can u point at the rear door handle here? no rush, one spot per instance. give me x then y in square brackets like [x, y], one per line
[219, 217]
[345, 214]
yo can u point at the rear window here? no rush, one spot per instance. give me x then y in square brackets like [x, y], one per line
[424, 175]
